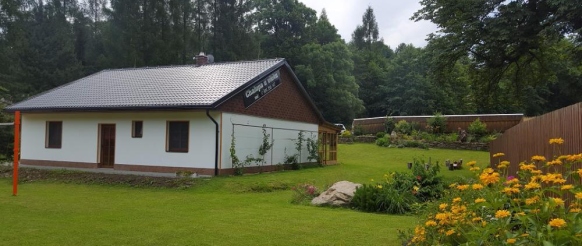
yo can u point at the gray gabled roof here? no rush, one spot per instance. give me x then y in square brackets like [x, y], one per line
[158, 87]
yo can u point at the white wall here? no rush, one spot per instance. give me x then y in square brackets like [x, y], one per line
[80, 138]
[249, 136]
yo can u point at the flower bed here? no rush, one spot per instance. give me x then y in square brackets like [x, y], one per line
[536, 207]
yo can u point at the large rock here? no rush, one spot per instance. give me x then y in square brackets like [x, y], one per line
[339, 194]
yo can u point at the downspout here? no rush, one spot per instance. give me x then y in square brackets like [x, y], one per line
[216, 143]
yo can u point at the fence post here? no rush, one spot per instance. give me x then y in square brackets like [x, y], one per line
[16, 153]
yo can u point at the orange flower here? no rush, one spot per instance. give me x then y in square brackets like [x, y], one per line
[488, 176]
[477, 186]
[498, 155]
[538, 158]
[578, 195]
[480, 200]
[556, 141]
[558, 223]
[450, 232]
[558, 201]
[502, 214]
[554, 163]
[462, 187]
[430, 223]
[532, 185]
[567, 187]
[511, 240]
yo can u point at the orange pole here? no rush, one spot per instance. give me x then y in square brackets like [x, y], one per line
[16, 152]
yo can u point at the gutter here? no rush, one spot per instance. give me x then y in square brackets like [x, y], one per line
[216, 143]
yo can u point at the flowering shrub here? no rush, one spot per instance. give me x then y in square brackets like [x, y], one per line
[399, 191]
[304, 193]
[536, 207]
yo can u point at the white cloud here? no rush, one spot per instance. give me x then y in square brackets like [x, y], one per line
[393, 19]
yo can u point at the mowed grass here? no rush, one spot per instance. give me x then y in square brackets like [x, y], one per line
[217, 211]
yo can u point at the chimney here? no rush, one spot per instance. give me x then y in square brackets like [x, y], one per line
[201, 59]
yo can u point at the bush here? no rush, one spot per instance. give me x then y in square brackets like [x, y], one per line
[498, 209]
[389, 124]
[399, 191]
[413, 144]
[380, 134]
[358, 130]
[383, 142]
[346, 134]
[437, 123]
[487, 138]
[403, 127]
[477, 128]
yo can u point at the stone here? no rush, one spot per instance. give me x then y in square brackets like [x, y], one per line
[339, 194]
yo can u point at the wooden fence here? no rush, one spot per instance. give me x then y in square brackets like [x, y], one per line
[532, 137]
[495, 122]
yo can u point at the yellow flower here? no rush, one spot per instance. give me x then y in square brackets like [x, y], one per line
[580, 172]
[474, 169]
[471, 163]
[480, 200]
[575, 210]
[574, 158]
[536, 172]
[525, 235]
[498, 155]
[450, 232]
[532, 185]
[509, 191]
[502, 214]
[538, 158]
[488, 176]
[527, 167]
[462, 187]
[476, 219]
[379, 186]
[558, 201]
[532, 200]
[453, 185]
[578, 195]
[558, 223]
[443, 206]
[556, 141]
[511, 240]
[457, 199]
[503, 164]
[566, 187]
[430, 223]
[520, 214]
[477, 186]
[554, 163]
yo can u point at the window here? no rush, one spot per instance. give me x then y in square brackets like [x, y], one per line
[177, 134]
[136, 129]
[54, 134]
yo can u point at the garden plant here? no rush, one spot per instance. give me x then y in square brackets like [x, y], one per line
[540, 205]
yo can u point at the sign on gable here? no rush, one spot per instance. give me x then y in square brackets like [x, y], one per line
[261, 88]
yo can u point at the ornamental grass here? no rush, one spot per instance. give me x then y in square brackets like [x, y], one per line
[535, 207]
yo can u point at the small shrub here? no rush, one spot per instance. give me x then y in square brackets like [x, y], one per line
[477, 128]
[304, 193]
[381, 199]
[389, 125]
[383, 142]
[414, 126]
[413, 144]
[487, 138]
[380, 134]
[437, 123]
[346, 134]
[358, 130]
[403, 127]
[451, 138]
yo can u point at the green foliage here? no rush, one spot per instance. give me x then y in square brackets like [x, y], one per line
[346, 134]
[265, 146]
[413, 144]
[403, 127]
[358, 130]
[389, 124]
[399, 191]
[312, 149]
[477, 128]
[383, 141]
[437, 123]
[380, 134]
[237, 164]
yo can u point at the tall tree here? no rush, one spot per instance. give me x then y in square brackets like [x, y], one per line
[326, 72]
[366, 34]
[232, 35]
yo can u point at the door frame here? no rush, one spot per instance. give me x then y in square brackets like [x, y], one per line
[99, 128]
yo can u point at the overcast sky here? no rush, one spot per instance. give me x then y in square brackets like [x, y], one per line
[393, 17]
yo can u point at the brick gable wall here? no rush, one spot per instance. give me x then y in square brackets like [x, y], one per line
[285, 102]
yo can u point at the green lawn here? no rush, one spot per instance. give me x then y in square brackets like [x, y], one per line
[217, 211]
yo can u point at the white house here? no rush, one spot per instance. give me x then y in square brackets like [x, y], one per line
[176, 118]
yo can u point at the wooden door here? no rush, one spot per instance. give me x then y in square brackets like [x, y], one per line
[107, 145]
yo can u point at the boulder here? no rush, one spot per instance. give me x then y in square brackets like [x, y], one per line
[339, 194]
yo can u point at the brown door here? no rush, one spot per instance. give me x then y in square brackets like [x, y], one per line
[107, 147]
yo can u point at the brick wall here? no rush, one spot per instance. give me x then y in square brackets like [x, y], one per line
[285, 102]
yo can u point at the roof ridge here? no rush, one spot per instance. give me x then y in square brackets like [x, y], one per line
[192, 65]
